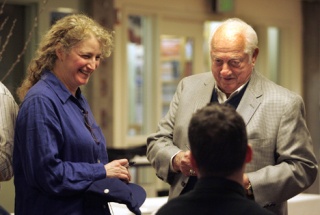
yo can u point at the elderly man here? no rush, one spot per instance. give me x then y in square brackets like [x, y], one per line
[284, 163]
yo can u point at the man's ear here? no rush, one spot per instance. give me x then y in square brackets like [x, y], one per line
[249, 154]
[255, 56]
[193, 163]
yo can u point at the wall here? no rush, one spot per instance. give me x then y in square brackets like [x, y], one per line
[287, 16]
[311, 65]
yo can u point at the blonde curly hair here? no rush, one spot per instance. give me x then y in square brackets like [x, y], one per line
[67, 31]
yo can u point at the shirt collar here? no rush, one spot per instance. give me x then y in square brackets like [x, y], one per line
[222, 97]
[59, 88]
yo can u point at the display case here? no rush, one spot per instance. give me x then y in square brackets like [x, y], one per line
[176, 56]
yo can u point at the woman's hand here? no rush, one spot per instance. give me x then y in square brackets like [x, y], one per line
[118, 169]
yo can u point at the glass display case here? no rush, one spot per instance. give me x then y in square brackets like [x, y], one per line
[176, 56]
[159, 52]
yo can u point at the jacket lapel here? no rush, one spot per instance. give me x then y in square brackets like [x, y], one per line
[205, 92]
[251, 99]
[249, 103]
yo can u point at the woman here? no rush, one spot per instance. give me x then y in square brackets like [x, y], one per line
[59, 149]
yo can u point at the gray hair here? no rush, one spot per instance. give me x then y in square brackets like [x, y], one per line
[246, 30]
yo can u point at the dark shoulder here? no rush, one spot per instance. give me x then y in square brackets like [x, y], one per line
[176, 206]
[253, 208]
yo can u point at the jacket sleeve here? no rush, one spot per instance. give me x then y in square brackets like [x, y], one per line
[160, 145]
[295, 167]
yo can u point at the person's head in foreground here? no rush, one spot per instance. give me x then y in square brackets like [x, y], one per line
[218, 141]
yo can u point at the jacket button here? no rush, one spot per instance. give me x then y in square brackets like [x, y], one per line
[183, 184]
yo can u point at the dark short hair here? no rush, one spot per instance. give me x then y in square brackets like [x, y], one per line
[218, 139]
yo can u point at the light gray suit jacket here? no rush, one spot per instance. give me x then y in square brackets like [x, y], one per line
[283, 162]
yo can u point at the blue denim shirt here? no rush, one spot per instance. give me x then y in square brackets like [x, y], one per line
[55, 156]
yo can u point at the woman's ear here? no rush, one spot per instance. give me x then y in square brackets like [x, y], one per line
[59, 51]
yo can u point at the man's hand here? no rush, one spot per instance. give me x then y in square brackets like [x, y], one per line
[181, 163]
[245, 181]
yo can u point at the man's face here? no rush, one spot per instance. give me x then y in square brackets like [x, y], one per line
[230, 65]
